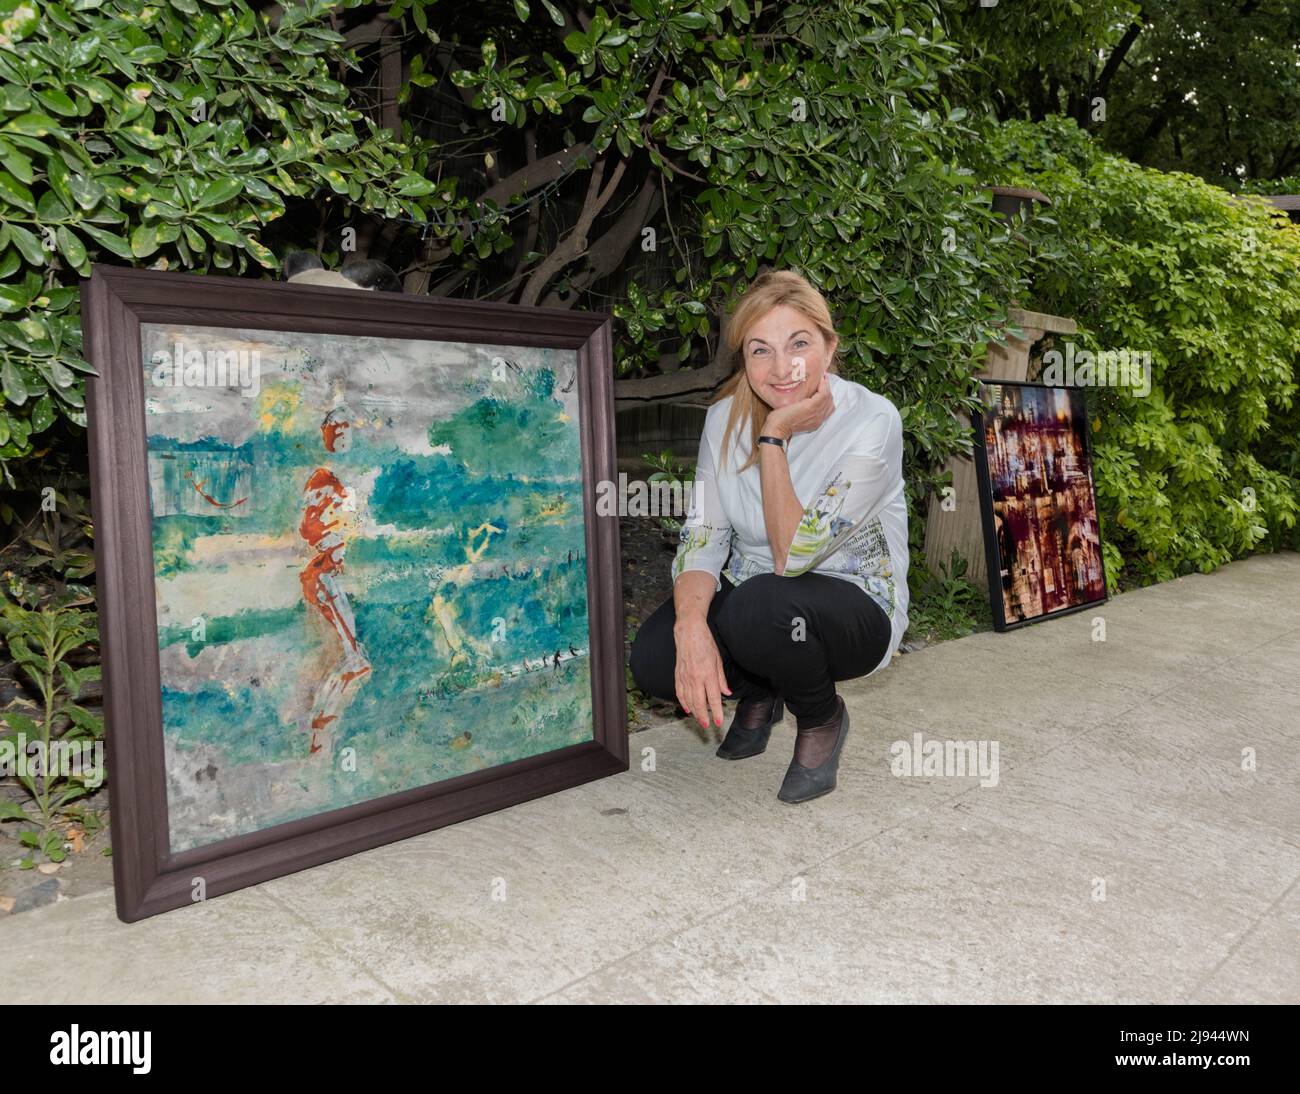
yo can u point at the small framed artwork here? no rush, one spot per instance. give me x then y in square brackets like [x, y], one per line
[353, 584]
[1033, 459]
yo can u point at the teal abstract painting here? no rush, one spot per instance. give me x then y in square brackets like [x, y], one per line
[370, 567]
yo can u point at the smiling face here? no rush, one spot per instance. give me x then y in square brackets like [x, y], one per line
[785, 356]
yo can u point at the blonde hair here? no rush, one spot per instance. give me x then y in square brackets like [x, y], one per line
[769, 290]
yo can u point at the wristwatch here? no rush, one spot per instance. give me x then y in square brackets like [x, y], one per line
[781, 441]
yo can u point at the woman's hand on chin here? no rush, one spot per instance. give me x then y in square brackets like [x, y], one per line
[804, 416]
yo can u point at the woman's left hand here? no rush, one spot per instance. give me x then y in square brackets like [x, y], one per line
[805, 415]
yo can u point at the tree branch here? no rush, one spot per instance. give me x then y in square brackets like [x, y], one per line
[692, 386]
[575, 243]
[535, 175]
[607, 253]
[1118, 54]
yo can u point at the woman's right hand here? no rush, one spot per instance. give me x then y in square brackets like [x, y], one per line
[700, 679]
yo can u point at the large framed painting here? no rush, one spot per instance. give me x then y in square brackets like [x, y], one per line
[353, 585]
[1033, 459]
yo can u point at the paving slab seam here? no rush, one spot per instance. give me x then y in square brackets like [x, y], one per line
[289, 909]
[1241, 941]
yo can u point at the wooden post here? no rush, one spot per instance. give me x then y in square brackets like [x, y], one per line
[960, 526]
[390, 79]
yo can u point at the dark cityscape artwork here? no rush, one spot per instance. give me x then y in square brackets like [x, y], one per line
[1040, 511]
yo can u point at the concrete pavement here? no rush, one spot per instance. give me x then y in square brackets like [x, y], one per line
[1127, 852]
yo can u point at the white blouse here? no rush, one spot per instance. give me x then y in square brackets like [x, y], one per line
[848, 476]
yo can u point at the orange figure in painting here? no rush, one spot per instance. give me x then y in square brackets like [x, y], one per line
[326, 499]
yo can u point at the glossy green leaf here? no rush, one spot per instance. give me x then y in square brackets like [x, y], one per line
[42, 414]
[73, 250]
[144, 240]
[218, 191]
[15, 388]
[15, 193]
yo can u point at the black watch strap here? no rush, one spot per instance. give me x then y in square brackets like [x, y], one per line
[773, 440]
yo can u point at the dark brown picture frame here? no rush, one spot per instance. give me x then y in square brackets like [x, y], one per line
[115, 301]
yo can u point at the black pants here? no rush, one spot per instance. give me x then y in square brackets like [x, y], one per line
[791, 636]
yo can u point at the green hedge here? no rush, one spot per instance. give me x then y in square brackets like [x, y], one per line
[1206, 467]
[168, 134]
